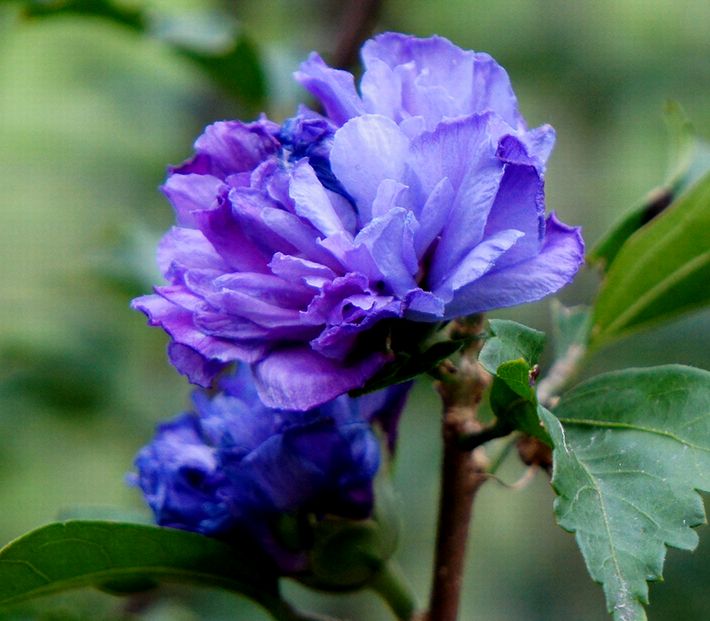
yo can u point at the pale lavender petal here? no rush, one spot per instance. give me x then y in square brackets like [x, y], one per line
[300, 379]
[381, 89]
[531, 148]
[460, 151]
[181, 249]
[312, 201]
[423, 306]
[561, 256]
[492, 91]
[302, 236]
[539, 142]
[367, 150]
[434, 215]
[297, 269]
[390, 240]
[335, 89]
[188, 193]
[389, 195]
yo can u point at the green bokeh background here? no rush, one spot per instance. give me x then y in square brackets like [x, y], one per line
[91, 113]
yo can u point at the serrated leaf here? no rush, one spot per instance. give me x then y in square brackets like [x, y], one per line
[510, 341]
[661, 272]
[123, 557]
[630, 450]
[689, 160]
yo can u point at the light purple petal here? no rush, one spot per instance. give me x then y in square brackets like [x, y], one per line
[478, 262]
[462, 152]
[181, 249]
[492, 91]
[301, 270]
[560, 258]
[312, 201]
[188, 193]
[178, 323]
[335, 89]
[390, 240]
[226, 235]
[434, 215]
[300, 379]
[531, 148]
[389, 196]
[367, 150]
[302, 236]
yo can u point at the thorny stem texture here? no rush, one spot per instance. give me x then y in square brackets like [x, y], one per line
[461, 389]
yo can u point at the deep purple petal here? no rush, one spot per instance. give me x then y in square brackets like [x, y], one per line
[226, 235]
[520, 203]
[229, 147]
[299, 379]
[560, 257]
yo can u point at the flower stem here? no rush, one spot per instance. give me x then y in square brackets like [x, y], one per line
[462, 475]
[392, 587]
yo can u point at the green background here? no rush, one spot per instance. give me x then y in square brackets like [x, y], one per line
[91, 113]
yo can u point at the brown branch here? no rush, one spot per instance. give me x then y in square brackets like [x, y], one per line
[359, 19]
[463, 473]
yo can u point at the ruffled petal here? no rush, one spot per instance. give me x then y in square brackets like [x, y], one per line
[560, 257]
[335, 89]
[366, 151]
[299, 379]
[188, 193]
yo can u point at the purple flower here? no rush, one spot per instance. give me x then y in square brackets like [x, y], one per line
[299, 247]
[234, 465]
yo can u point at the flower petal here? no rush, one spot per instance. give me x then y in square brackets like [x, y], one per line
[366, 151]
[299, 379]
[335, 89]
[559, 259]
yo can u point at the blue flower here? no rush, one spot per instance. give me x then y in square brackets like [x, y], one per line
[300, 247]
[235, 465]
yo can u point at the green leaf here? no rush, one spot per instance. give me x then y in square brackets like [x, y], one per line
[630, 450]
[689, 161]
[661, 272]
[510, 341]
[513, 399]
[124, 557]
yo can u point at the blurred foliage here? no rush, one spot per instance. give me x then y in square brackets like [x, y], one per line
[92, 111]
